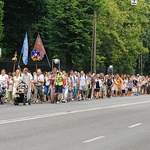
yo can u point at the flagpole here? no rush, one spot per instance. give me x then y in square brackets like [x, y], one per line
[19, 60]
[48, 60]
[36, 66]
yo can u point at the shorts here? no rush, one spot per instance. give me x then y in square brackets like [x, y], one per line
[46, 90]
[118, 89]
[83, 88]
[109, 89]
[97, 89]
[123, 91]
[129, 89]
[58, 89]
[102, 89]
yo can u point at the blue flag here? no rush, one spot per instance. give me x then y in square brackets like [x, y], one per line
[24, 50]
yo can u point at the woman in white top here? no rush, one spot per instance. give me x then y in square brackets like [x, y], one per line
[3, 81]
[16, 80]
[3, 77]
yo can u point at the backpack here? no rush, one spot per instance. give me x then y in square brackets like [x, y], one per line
[64, 82]
[109, 82]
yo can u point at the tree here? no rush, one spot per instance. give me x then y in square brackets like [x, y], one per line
[1, 24]
[71, 31]
[21, 16]
[123, 28]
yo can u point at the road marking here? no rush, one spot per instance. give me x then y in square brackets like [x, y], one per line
[68, 112]
[94, 139]
[135, 125]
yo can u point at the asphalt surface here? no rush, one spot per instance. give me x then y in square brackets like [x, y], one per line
[121, 123]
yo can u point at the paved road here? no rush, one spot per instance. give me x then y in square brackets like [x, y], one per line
[108, 124]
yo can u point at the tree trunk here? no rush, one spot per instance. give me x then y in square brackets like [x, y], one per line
[69, 64]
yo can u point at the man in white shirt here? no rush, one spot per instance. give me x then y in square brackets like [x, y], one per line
[27, 78]
[38, 81]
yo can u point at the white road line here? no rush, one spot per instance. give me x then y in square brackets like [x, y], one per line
[94, 139]
[68, 112]
[135, 125]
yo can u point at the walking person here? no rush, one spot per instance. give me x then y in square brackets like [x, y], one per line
[3, 82]
[52, 86]
[10, 86]
[38, 81]
[97, 86]
[27, 78]
[130, 86]
[16, 80]
[102, 78]
[58, 86]
[109, 84]
[118, 85]
[47, 86]
[89, 86]
[82, 86]
[71, 85]
[65, 88]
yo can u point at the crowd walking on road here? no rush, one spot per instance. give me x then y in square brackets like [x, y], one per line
[62, 87]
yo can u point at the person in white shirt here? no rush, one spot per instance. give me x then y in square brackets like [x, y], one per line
[27, 78]
[4, 81]
[38, 81]
[82, 86]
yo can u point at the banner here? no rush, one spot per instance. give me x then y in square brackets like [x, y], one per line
[39, 47]
[24, 50]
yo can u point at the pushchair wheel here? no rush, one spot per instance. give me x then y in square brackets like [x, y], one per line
[29, 102]
[16, 103]
[24, 102]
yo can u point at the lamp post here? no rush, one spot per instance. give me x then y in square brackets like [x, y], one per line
[14, 59]
[56, 61]
[110, 70]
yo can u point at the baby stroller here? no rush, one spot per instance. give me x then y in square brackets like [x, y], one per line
[21, 94]
[2, 92]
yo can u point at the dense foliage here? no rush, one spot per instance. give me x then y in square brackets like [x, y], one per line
[1, 24]
[66, 30]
